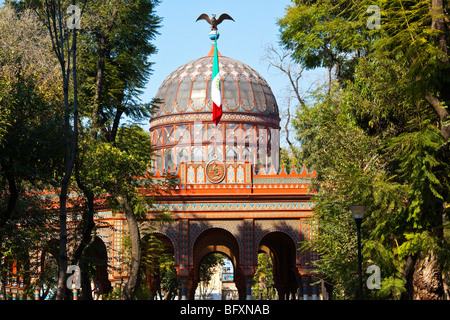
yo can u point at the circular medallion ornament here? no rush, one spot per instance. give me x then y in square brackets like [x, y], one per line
[215, 171]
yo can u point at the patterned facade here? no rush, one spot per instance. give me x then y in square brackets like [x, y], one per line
[232, 196]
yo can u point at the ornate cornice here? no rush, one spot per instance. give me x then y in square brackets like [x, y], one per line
[207, 117]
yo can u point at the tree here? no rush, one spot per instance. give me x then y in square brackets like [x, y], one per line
[65, 48]
[30, 148]
[126, 35]
[115, 62]
[377, 136]
[113, 48]
[114, 68]
[158, 263]
[263, 286]
[30, 105]
[119, 170]
[281, 60]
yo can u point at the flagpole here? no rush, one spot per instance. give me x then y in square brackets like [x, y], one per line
[215, 77]
[215, 123]
[215, 89]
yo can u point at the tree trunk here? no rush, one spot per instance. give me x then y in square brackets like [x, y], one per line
[87, 221]
[63, 195]
[87, 225]
[133, 229]
[86, 289]
[442, 113]
[8, 172]
[71, 144]
[427, 279]
[408, 273]
[438, 23]
[99, 85]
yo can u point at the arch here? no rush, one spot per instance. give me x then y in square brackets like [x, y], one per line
[197, 228]
[165, 240]
[170, 231]
[289, 227]
[216, 240]
[152, 252]
[96, 254]
[282, 249]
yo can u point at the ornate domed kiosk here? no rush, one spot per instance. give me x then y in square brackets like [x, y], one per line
[232, 195]
[182, 129]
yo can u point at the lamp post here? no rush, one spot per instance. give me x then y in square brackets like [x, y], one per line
[358, 214]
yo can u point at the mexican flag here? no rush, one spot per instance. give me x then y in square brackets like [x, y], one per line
[215, 88]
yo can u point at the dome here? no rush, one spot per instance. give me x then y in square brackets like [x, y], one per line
[182, 128]
[244, 91]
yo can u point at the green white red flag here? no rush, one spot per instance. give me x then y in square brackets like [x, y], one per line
[215, 88]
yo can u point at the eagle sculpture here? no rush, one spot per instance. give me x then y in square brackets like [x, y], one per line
[213, 21]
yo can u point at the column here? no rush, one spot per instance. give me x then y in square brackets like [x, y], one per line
[75, 294]
[305, 281]
[299, 289]
[248, 288]
[315, 290]
[249, 263]
[183, 247]
[184, 284]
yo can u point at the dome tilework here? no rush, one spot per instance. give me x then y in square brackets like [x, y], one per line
[187, 89]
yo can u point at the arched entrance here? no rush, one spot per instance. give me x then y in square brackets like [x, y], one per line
[95, 259]
[94, 270]
[216, 240]
[216, 278]
[282, 250]
[263, 287]
[161, 278]
[48, 276]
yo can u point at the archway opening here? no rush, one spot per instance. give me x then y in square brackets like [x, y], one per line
[263, 282]
[94, 270]
[216, 278]
[159, 272]
[280, 247]
[48, 277]
[216, 249]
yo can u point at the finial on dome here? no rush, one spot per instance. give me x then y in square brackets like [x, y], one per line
[214, 34]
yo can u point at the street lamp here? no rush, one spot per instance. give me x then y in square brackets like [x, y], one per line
[358, 214]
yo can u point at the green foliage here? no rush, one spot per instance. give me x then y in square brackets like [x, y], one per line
[115, 46]
[116, 168]
[116, 39]
[374, 137]
[288, 159]
[208, 264]
[158, 263]
[29, 104]
[320, 35]
[263, 283]
[30, 140]
[35, 222]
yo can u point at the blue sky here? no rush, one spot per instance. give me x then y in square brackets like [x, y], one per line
[182, 39]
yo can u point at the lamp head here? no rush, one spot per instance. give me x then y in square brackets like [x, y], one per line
[357, 210]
